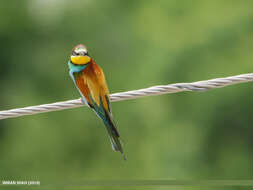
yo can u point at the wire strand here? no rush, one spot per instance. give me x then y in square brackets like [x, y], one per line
[151, 91]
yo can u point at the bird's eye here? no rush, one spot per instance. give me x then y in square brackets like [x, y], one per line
[75, 54]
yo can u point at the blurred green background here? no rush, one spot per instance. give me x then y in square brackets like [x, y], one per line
[138, 44]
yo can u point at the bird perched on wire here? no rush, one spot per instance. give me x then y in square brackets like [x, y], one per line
[90, 81]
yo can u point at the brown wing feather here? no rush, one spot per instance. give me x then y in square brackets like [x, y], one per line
[83, 87]
[96, 83]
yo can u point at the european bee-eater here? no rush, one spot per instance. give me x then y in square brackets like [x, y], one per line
[90, 81]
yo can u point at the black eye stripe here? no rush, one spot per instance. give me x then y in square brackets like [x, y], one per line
[79, 53]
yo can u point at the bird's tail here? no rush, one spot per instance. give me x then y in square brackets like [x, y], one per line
[114, 135]
[106, 117]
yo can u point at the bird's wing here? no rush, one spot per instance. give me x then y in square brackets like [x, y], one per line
[82, 87]
[98, 91]
[92, 87]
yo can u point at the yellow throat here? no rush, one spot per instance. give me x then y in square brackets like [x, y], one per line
[80, 60]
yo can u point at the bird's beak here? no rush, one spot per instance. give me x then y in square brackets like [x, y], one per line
[80, 60]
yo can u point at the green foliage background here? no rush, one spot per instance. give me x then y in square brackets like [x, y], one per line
[138, 44]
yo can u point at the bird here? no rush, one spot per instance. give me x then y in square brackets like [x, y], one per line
[89, 80]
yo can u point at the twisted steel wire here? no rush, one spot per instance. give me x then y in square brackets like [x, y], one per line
[151, 91]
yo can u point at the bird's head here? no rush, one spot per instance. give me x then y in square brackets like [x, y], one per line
[80, 55]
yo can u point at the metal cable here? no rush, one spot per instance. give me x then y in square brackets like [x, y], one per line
[152, 91]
